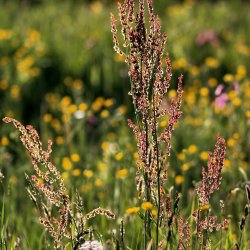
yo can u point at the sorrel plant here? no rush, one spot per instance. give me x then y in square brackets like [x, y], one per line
[149, 85]
[47, 190]
[143, 51]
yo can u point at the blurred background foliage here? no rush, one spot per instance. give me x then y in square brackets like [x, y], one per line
[58, 71]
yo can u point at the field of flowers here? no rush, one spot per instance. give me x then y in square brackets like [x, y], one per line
[59, 72]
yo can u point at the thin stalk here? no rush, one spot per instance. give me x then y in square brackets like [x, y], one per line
[145, 230]
[147, 185]
[197, 228]
[205, 237]
[147, 191]
[146, 215]
[158, 176]
[241, 234]
[158, 210]
[221, 239]
[135, 108]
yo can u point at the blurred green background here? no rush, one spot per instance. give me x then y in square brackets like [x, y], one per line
[58, 72]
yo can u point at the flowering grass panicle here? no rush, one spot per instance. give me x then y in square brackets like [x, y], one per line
[47, 190]
[211, 180]
[46, 180]
[145, 46]
[184, 232]
[211, 177]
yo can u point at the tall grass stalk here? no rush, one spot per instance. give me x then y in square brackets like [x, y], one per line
[145, 46]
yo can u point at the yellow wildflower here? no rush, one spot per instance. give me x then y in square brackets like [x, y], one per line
[47, 118]
[197, 121]
[146, 205]
[40, 180]
[32, 37]
[101, 166]
[136, 155]
[25, 64]
[5, 34]
[212, 82]
[77, 84]
[55, 124]
[96, 7]
[76, 172]
[180, 63]
[230, 142]
[66, 163]
[15, 91]
[72, 108]
[65, 175]
[88, 173]
[212, 62]
[241, 72]
[172, 93]
[185, 167]
[194, 70]
[154, 212]
[119, 156]
[231, 95]
[119, 58]
[236, 136]
[4, 141]
[236, 101]
[108, 103]
[228, 78]
[191, 98]
[204, 155]
[35, 71]
[227, 163]
[105, 113]
[204, 91]
[204, 207]
[121, 173]
[105, 146]
[98, 182]
[179, 179]
[83, 106]
[181, 156]
[192, 149]
[243, 49]
[75, 157]
[65, 102]
[66, 118]
[59, 140]
[122, 110]
[97, 104]
[163, 124]
[132, 210]
[3, 84]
